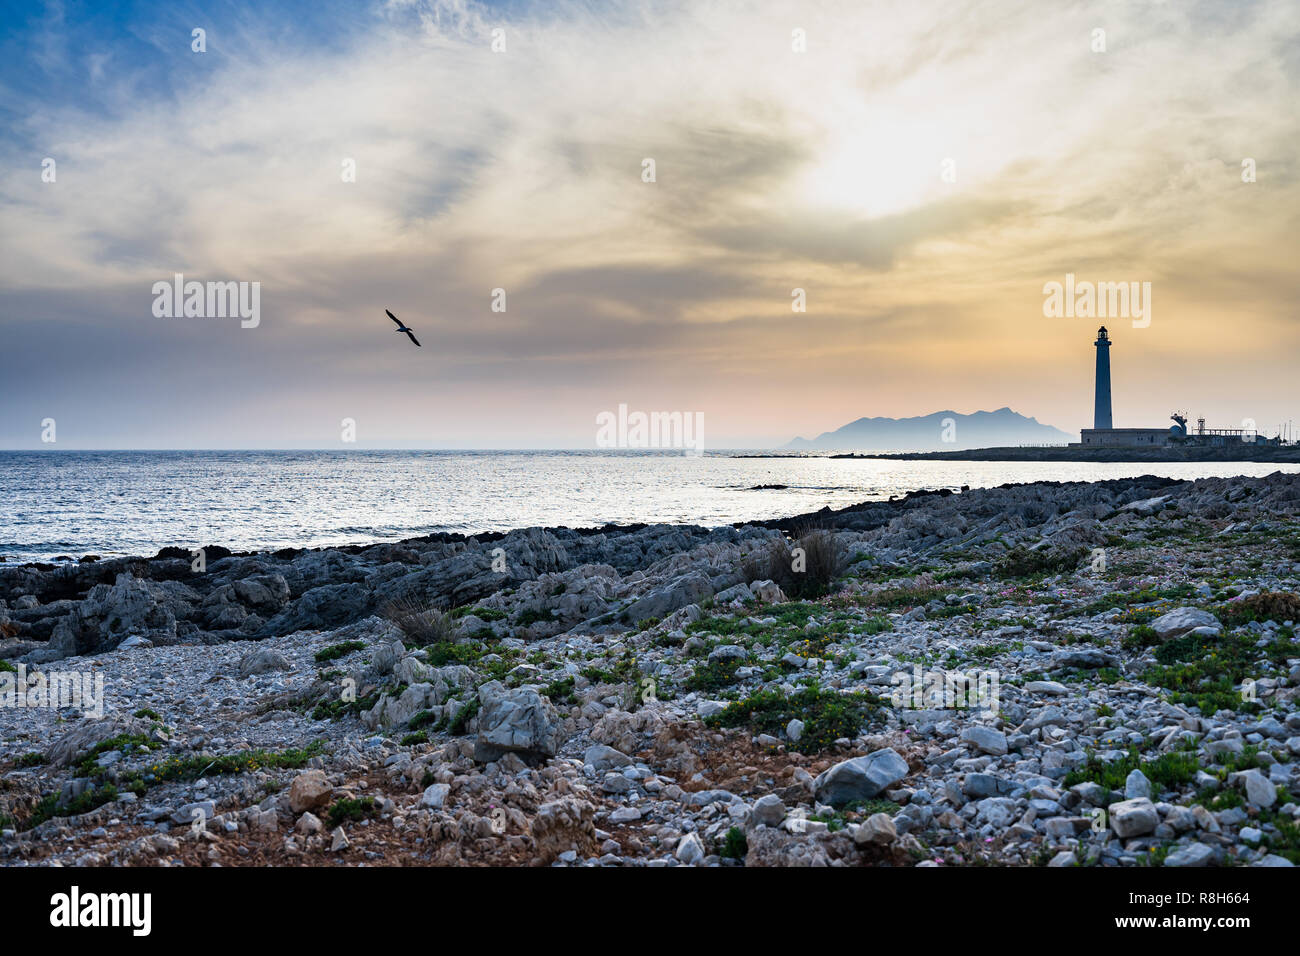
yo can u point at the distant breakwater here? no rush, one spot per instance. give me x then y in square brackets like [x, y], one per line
[1253, 453]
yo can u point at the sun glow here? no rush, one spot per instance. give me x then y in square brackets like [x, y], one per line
[881, 166]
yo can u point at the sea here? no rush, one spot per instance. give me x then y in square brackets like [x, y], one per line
[67, 504]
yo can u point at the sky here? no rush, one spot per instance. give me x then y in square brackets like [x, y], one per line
[920, 170]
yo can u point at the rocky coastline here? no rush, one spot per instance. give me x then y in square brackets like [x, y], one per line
[1051, 674]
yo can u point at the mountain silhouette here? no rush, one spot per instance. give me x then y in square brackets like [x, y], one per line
[939, 431]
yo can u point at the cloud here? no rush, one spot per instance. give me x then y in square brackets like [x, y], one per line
[522, 170]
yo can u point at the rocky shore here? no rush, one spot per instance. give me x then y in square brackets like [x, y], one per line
[1049, 674]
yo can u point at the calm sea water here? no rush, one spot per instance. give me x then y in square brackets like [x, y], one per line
[115, 503]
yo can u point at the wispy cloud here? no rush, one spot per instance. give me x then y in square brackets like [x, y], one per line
[522, 170]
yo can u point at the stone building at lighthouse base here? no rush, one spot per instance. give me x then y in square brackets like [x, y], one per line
[1145, 437]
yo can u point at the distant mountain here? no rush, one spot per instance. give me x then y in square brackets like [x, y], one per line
[941, 431]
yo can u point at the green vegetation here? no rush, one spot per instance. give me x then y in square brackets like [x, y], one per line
[894, 599]
[855, 812]
[734, 845]
[1126, 599]
[177, 768]
[126, 743]
[492, 662]
[622, 670]
[192, 767]
[335, 651]
[338, 709]
[792, 615]
[1204, 671]
[1287, 842]
[458, 723]
[532, 616]
[1166, 772]
[348, 809]
[482, 613]
[561, 692]
[1022, 562]
[1143, 635]
[49, 806]
[827, 715]
[713, 676]
[1214, 800]
[423, 719]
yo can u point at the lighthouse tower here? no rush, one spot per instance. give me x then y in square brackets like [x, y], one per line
[1101, 409]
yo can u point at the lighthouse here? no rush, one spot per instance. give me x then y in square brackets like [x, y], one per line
[1101, 408]
[1105, 434]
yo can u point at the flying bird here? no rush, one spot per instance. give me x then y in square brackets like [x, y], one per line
[401, 328]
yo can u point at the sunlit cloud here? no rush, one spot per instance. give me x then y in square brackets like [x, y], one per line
[522, 170]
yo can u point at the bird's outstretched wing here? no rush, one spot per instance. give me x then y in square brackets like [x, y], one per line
[413, 338]
[393, 317]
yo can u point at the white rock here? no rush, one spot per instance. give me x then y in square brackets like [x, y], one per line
[689, 849]
[878, 829]
[1259, 791]
[1137, 785]
[985, 739]
[1130, 818]
[1195, 854]
[435, 796]
[1181, 620]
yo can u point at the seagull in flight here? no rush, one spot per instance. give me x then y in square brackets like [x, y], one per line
[401, 328]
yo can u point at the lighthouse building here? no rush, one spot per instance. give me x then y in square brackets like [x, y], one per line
[1102, 431]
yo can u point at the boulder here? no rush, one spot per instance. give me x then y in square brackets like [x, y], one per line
[985, 739]
[738, 592]
[435, 796]
[768, 811]
[519, 721]
[1194, 854]
[768, 592]
[563, 825]
[309, 791]
[83, 738]
[262, 661]
[689, 849]
[690, 588]
[1260, 792]
[322, 608]
[878, 829]
[860, 778]
[1136, 785]
[1130, 818]
[604, 758]
[1179, 621]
